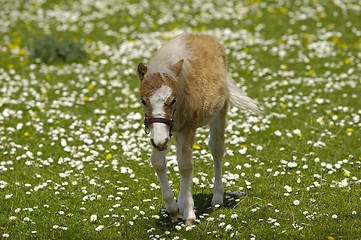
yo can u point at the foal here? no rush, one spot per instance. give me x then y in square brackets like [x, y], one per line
[186, 86]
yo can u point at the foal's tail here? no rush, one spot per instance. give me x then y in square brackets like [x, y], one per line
[238, 99]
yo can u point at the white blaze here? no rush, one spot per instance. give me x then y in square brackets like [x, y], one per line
[160, 131]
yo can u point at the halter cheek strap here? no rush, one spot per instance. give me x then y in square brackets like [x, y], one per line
[148, 120]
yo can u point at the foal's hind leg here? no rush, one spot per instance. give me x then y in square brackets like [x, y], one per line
[159, 165]
[216, 145]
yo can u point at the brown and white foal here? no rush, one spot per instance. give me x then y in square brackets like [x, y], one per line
[186, 86]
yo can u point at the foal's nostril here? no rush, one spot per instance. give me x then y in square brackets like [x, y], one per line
[152, 141]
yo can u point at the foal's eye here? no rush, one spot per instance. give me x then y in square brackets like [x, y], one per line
[142, 101]
[173, 102]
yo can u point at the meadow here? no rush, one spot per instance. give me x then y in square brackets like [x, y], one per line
[74, 158]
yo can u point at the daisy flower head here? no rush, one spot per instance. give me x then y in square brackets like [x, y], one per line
[93, 218]
[228, 227]
[99, 228]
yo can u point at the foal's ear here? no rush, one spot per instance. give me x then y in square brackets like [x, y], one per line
[141, 71]
[177, 68]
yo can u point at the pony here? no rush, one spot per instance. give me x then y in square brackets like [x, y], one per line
[186, 86]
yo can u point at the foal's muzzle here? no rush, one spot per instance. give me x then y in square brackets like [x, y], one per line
[160, 146]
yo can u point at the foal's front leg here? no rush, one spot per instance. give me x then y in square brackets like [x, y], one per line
[185, 164]
[160, 167]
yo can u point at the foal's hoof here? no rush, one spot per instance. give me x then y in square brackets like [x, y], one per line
[189, 222]
[175, 215]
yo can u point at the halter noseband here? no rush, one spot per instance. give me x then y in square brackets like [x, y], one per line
[148, 120]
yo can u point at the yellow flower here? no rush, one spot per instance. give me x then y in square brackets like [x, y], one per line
[197, 147]
[203, 28]
[128, 19]
[321, 15]
[335, 40]
[283, 10]
[311, 72]
[172, 26]
[11, 46]
[17, 41]
[26, 134]
[349, 129]
[90, 86]
[109, 156]
[269, 9]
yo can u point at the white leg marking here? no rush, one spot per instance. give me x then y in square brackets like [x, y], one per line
[216, 145]
[185, 165]
[159, 165]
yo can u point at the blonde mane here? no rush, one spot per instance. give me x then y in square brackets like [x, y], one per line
[168, 55]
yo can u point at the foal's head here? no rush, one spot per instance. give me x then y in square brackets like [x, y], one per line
[158, 96]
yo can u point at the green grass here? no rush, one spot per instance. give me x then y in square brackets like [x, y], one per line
[72, 143]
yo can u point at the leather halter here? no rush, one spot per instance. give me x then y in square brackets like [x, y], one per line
[149, 120]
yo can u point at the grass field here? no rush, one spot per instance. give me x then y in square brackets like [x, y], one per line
[74, 159]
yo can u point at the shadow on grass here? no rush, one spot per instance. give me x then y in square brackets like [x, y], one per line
[203, 201]
[202, 204]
